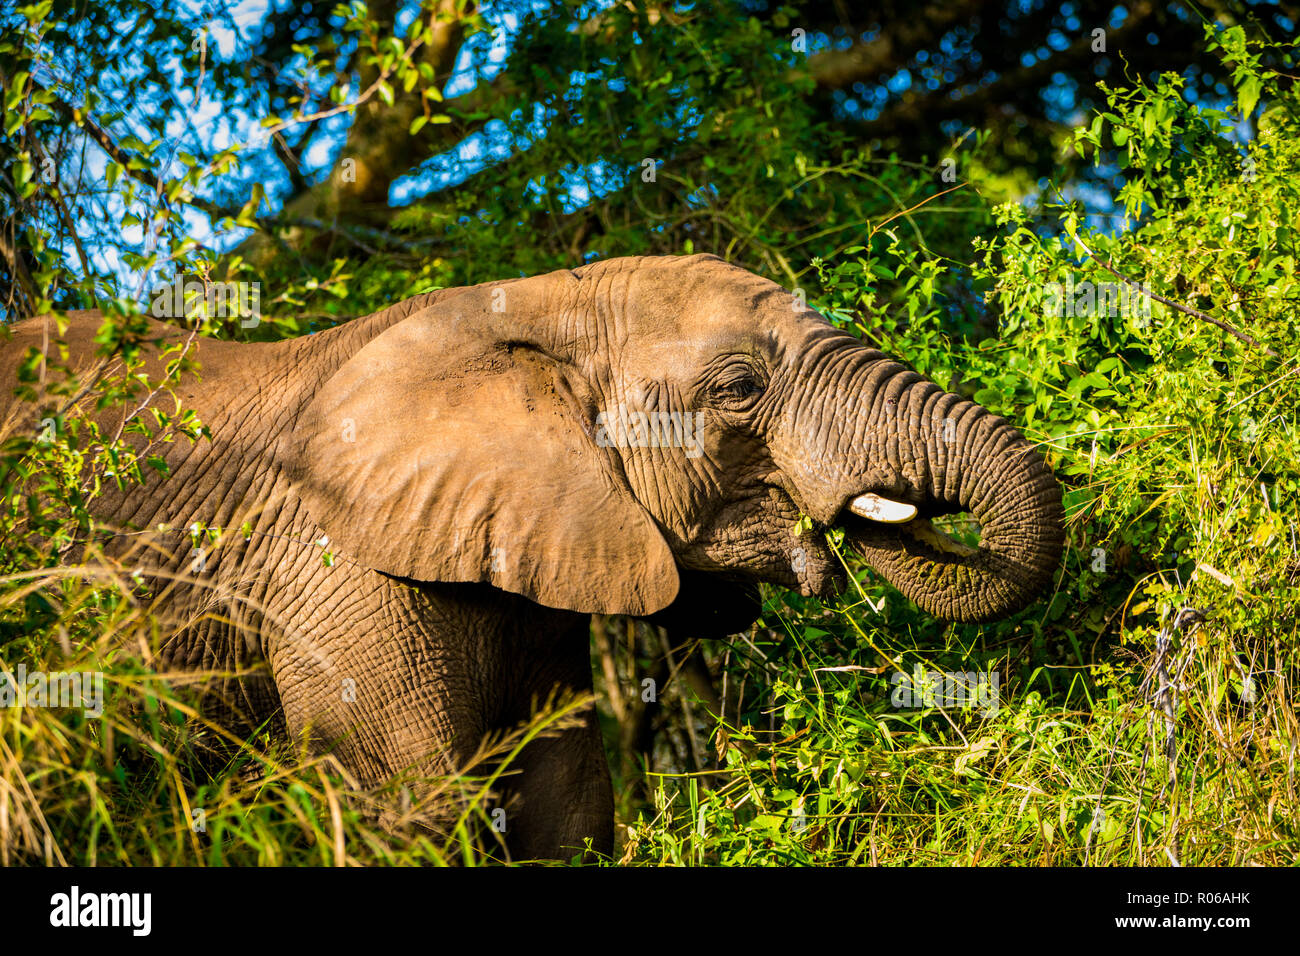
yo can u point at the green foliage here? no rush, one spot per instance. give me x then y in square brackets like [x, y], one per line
[1178, 444]
[696, 138]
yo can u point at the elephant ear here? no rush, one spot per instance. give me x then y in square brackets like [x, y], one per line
[452, 448]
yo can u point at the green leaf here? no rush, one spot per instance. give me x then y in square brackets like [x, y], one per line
[1248, 95]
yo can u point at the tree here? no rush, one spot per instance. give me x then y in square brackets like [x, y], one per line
[764, 124]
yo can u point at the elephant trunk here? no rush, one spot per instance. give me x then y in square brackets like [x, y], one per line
[953, 456]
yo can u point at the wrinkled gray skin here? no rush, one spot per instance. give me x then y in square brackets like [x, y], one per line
[451, 449]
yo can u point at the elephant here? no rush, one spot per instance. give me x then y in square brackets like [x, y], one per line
[489, 466]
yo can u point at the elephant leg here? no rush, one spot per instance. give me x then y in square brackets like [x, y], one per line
[559, 795]
[389, 706]
[418, 696]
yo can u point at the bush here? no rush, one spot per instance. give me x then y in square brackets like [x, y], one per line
[1147, 706]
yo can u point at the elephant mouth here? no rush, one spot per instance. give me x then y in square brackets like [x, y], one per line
[927, 549]
[969, 529]
[921, 529]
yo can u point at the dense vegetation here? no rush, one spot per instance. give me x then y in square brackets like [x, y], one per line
[1146, 712]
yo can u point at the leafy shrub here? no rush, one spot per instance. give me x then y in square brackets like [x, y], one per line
[1147, 705]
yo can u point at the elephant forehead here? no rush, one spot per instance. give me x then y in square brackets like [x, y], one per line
[691, 344]
[678, 286]
[673, 311]
[687, 349]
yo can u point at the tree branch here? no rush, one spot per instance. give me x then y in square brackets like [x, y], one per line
[1186, 309]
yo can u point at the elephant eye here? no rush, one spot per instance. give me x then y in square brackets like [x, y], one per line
[738, 388]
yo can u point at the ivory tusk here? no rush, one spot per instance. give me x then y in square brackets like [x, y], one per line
[875, 508]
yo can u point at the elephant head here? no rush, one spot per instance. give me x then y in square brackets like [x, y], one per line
[615, 438]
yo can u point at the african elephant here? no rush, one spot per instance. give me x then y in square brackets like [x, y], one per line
[491, 465]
